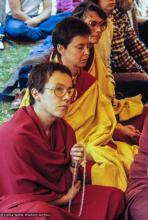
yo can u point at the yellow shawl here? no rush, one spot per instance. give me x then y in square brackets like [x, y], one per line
[93, 120]
[126, 108]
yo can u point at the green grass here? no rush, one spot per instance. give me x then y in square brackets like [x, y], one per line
[9, 59]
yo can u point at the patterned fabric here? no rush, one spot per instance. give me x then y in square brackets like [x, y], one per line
[67, 5]
[128, 53]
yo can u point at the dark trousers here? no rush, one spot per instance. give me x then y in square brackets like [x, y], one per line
[132, 88]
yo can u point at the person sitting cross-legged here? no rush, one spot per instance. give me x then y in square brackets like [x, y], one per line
[41, 174]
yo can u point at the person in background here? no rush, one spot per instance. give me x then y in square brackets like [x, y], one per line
[137, 191]
[96, 19]
[129, 56]
[104, 43]
[67, 5]
[23, 21]
[43, 158]
[141, 7]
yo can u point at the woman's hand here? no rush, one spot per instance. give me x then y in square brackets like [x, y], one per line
[32, 22]
[77, 153]
[130, 131]
[126, 133]
[71, 193]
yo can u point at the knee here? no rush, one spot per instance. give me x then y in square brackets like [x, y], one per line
[15, 28]
[138, 210]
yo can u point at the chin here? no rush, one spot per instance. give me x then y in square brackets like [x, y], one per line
[61, 114]
[96, 41]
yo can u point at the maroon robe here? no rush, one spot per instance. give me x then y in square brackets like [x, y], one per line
[137, 191]
[35, 171]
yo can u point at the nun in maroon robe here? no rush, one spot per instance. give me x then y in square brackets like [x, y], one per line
[35, 167]
[137, 191]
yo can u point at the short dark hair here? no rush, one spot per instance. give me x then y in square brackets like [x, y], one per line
[67, 29]
[40, 74]
[94, 1]
[84, 7]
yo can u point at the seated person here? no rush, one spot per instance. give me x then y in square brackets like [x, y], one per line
[40, 164]
[128, 55]
[90, 12]
[93, 120]
[104, 43]
[128, 52]
[24, 23]
[142, 19]
[137, 191]
[97, 21]
[130, 83]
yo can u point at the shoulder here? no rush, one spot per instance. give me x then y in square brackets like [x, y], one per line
[84, 82]
[20, 123]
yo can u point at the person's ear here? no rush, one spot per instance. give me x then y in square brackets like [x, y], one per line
[60, 49]
[35, 94]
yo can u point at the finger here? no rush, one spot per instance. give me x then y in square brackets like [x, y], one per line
[76, 153]
[79, 145]
[131, 127]
[78, 184]
[77, 159]
[77, 150]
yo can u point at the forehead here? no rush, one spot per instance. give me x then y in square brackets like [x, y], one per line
[107, 1]
[84, 40]
[92, 15]
[60, 78]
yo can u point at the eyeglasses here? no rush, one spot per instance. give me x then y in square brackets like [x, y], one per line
[95, 24]
[61, 91]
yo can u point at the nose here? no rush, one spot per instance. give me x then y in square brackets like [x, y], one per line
[67, 96]
[86, 50]
[98, 28]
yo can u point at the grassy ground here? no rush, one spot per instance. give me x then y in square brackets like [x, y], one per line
[9, 58]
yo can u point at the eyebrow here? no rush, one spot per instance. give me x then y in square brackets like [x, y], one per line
[61, 84]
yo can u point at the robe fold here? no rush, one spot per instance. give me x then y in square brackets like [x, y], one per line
[95, 126]
[137, 191]
[35, 171]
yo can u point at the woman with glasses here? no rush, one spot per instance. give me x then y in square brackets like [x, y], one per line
[98, 22]
[40, 158]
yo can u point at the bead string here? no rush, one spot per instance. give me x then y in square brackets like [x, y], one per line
[83, 186]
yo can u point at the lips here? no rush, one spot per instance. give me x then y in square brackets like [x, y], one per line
[84, 60]
[63, 107]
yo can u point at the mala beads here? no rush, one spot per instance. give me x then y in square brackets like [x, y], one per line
[76, 165]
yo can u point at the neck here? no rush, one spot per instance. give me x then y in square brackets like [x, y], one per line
[46, 119]
[74, 69]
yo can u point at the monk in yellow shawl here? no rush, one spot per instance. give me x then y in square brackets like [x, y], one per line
[127, 108]
[91, 115]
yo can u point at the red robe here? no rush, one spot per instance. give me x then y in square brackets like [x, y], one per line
[137, 191]
[35, 171]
